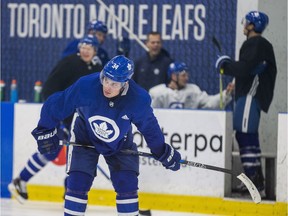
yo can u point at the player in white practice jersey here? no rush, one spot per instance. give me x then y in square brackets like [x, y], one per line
[180, 94]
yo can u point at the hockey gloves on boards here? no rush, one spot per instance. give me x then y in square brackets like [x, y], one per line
[170, 158]
[220, 62]
[47, 140]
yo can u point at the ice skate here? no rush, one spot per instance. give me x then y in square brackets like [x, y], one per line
[18, 190]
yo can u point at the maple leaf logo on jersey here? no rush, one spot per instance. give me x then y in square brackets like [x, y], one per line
[104, 128]
[176, 105]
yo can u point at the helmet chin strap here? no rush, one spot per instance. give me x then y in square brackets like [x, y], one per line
[177, 84]
[249, 31]
[173, 84]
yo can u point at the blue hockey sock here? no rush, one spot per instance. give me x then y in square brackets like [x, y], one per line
[127, 203]
[250, 152]
[33, 166]
[75, 204]
[76, 196]
[126, 185]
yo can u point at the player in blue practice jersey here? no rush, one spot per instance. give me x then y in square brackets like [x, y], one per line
[106, 103]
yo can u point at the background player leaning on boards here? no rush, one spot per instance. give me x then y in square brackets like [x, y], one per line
[180, 94]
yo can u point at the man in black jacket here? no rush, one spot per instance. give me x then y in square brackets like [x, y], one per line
[151, 69]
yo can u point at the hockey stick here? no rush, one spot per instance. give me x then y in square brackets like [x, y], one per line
[255, 195]
[66, 143]
[123, 25]
[242, 177]
[217, 44]
[222, 104]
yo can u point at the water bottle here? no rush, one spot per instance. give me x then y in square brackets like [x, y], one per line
[37, 91]
[2, 90]
[13, 91]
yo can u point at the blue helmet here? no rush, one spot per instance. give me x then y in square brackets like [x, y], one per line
[96, 25]
[176, 67]
[118, 69]
[90, 40]
[259, 19]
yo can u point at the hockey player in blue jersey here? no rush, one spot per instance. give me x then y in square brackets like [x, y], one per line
[106, 103]
[180, 94]
[99, 30]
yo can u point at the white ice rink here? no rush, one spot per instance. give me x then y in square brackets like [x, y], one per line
[10, 207]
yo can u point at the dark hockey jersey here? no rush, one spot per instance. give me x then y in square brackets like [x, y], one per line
[66, 72]
[255, 71]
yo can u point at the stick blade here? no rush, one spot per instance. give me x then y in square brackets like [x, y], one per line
[251, 188]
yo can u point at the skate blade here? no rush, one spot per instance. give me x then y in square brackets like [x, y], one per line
[15, 194]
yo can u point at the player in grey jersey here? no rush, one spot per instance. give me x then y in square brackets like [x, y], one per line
[182, 95]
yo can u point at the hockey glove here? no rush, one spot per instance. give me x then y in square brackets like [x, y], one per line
[123, 46]
[170, 158]
[221, 61]
[47, 140]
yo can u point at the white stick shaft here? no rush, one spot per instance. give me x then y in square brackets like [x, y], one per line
[124, 26]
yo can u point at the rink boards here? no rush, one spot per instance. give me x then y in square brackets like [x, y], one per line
[201, 136]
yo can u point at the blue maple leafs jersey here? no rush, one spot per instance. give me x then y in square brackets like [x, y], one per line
[103, 122]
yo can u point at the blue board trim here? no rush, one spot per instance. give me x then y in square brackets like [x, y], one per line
[6, 155]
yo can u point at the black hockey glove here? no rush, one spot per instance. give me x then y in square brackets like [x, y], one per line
[221, 61]
[47, 140]
[170, 158]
